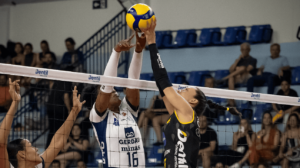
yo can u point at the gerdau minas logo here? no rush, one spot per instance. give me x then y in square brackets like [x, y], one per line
[94, 78]
[41, 73]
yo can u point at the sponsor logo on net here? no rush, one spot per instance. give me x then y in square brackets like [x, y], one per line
[41, 73]
[299, 100]
[255, 96]
[181, 87]
[94, 78]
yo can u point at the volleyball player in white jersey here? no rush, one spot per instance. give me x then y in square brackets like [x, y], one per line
[114, 120]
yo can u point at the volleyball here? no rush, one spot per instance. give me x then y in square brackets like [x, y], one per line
[138, 15]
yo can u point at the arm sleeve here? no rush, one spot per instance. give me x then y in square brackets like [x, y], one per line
[111, 69]
[159, 72]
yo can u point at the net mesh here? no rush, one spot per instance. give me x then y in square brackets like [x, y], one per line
[225, 138]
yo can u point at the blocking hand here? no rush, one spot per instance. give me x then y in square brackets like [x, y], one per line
[76, 100]
[124, 45]
[14, 90]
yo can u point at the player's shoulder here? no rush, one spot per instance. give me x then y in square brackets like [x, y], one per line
[96, 116]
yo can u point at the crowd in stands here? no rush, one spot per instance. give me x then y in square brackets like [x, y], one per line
[267, 146]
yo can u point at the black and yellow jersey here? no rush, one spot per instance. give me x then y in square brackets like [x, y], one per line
[181, 141]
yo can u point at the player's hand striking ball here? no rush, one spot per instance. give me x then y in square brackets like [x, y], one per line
[149, 31]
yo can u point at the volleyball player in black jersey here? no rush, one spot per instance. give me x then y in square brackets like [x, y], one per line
[181, 133]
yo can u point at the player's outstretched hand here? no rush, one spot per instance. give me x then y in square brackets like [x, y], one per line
[140, 42]
[76, 100]
[14, 90]
[149, 31]
[124, 45]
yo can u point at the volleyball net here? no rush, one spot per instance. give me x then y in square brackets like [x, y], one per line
[47, 98]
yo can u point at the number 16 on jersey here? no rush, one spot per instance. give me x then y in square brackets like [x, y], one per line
[133, 160]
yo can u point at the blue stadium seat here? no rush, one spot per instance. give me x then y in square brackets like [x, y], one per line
[219, 74]
[257, 32]
[260, 109]
[247, 114]
[167, 41]
[296, 75]
[216, 99]
[160, 35]
[197, 78]
[205, 37]
[267, 35]
[233, 35]
[177, 77]
[181, 38]
[146, 76]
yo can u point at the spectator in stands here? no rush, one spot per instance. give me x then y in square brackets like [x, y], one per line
[241, 70]
[58, 106]
[290, 142]
[4, 57]
[81, 164]
[19, 58]
[209, 82]
[30, 60]
[264, 148]
[55, 164]
[45, 49]
[47, 61]
[30, 57]
[72, 57]
[75, 148]
[158, 114]
[5, 98]
[285, 110]
[271, 71]
[219, 165]
[242, 141]
[208, 142]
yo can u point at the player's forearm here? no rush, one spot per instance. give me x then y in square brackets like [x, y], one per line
[62, 134]
[135, 65]
[7, 122]
[159, 72]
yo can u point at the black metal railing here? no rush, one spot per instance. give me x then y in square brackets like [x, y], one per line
[98, 47]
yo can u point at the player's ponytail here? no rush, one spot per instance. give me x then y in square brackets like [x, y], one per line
[201, 106]
[217, 106]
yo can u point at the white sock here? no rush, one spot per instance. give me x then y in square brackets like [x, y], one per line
[111, 69]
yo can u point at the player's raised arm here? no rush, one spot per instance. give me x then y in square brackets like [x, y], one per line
[62, 134]
[174, 100]
[132, 94]
[14, 91]
[111, 69]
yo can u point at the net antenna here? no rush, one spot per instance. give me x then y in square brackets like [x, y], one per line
[51, 74]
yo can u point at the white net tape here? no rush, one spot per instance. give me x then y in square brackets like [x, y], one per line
[139, 84]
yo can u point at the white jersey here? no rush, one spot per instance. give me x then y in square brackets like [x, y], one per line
[119, 137]
[41, 165]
